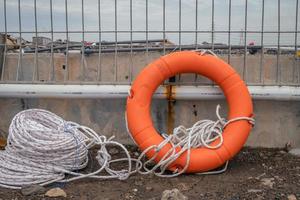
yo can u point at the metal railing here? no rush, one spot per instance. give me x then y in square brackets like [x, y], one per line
[101, 41]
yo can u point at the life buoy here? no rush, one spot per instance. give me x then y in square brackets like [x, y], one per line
[139, 120]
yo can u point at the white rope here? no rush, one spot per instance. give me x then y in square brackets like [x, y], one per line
[201, 134]
[42, 148]
[205, 51]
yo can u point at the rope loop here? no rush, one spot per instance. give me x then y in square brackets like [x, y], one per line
[202, 134]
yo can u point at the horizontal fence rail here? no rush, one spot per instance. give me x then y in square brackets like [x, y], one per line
[105, 42]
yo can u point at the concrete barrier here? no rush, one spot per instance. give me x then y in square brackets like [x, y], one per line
[289, 70]
[277, 122]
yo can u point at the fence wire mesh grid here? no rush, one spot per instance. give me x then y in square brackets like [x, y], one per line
[110, 41]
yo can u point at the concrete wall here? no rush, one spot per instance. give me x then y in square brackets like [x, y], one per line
[277, 123]
[86, 70]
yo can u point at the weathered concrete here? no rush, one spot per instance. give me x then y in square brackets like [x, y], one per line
[289, 68]
[277, 123]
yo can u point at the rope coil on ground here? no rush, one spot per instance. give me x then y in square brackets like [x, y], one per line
[42, 148]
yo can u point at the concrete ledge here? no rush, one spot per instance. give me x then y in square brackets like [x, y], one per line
[275, 93]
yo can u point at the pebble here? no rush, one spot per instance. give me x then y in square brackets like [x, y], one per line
[135, 190]
[183, 187]
[56, 192]
[128, 196]
[268, 182]
[254, 191]
[173, 194]
[32, 189]
[295, 152]
[261, 175]
[149, 188]
[113, 151]
[292, 197]
[138, 183]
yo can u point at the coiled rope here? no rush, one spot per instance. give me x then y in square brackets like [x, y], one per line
[43, 148]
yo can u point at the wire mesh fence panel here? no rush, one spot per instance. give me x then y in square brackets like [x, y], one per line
[110, 42]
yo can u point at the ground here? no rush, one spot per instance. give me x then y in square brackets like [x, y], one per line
[252, 174]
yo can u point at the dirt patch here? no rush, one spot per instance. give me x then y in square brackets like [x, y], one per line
[252, 174]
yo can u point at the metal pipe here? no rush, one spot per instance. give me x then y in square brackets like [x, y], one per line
[99, 68]
[244, 73]
[116, 42]
[261, 66]
[275, 93]
[82, 60]
[5, 42]
[35, 63]
[52, 74]
[66, 74]
[152, 31]
[229, 33]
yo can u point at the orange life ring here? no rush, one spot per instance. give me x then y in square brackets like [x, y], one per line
[139, 119]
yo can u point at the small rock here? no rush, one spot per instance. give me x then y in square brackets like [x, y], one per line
[149, 188]
[278, 178]
[292, 197]
[295, 152]
[173, 194]
[136, 154]
[32, 189]
[261, 175]
[254, 191]
[135, 190]
[56, 192]
[183, 187]
[138, 183]
[268, 182]
[113, 151]
[128, 196]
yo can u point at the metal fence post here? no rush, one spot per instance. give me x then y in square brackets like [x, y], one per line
[2, 47]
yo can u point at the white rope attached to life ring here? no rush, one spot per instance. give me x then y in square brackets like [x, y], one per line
[201, 134]
[43, 148]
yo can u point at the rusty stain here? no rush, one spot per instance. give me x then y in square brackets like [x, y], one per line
[170, 95]
[2, 143]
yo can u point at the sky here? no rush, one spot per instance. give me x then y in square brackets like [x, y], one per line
[220, 20]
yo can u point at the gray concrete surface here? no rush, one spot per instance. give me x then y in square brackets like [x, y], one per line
[289, 68]
[277, 123]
